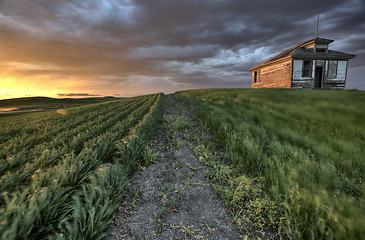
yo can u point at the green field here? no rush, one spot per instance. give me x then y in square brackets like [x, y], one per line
[293, 161]
[18, 106]
[63, 171]
[298, 154]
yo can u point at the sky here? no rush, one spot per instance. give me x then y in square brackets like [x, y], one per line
[122, 48]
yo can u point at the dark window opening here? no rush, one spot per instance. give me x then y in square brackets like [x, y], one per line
[320, 50]
[307, 69]
[318, 77]
[255, 76]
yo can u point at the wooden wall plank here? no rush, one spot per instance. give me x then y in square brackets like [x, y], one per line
[274, 76]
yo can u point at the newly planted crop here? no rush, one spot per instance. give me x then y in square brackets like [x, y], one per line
[61, 173]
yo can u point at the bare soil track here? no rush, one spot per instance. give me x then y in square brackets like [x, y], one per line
[171, 198]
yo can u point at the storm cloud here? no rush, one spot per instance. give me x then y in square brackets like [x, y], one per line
[167, 45]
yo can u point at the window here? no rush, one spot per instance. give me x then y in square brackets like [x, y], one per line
[332, 69]
[307, 69]
[320, 50]
[255, 76]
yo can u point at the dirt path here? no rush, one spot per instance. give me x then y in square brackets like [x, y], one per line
[171, 199]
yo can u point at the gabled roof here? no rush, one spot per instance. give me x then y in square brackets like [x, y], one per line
[303, 53]
[300, 52]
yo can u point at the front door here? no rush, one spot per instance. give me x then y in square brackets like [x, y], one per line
[318, 77]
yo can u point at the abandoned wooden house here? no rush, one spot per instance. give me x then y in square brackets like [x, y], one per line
[307, 65]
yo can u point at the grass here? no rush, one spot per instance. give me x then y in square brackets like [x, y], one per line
[294, 162]
[305, 149]
[159, 216]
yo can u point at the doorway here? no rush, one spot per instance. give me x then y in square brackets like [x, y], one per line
[318, 77]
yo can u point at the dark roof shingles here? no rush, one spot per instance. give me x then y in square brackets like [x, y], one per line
[299, 52]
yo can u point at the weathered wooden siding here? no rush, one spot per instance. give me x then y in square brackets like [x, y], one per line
[299, 81]
[292, 69]
[321, 45]
[341, 70]
[274, 76]
[280, 76]
[339, 81]
[297, 69]
[311, 45]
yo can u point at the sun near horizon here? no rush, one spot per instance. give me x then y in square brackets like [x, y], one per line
[130, 48]
[13, 87]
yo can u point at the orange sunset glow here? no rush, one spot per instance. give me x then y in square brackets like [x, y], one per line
[128, 48]
[13, 87]
[182, 119]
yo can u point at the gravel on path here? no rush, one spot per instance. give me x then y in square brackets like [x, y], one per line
[171, 198]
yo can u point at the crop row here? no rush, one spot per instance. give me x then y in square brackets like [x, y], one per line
[48, 154]
[57, 179]
[39, 123]
[68, 142]
[44, 130]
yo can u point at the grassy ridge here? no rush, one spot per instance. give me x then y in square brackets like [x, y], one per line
[51, 101]
[20, 106]
[307, 147]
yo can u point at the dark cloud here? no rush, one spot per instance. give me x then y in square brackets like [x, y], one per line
[170, 44]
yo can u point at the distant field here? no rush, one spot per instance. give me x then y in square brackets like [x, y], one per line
[17, 106]
[63, 172]
[306, 148]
